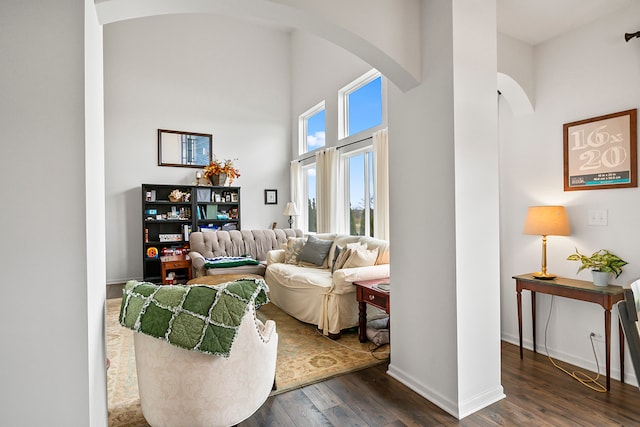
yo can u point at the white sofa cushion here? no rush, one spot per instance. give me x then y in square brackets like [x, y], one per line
[294, 276]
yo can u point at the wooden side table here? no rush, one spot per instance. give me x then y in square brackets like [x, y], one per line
[367, 293]
[580, 290]
[175, 262]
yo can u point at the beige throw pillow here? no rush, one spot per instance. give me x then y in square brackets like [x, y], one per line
[356, 245]
[346, 253]
[342, 258]
[293, 249]
[361, 258]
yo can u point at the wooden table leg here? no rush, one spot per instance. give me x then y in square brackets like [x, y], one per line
[533, 318]
[519, 297]
[163, 273]
[607, 344]
[362, 321]
[621, 338]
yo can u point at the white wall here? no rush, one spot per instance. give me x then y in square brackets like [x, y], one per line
[586, 73]
[199, 73]
[386, 33]
[515, 59]
[52, 355]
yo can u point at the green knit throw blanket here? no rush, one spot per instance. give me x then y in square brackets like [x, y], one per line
[200, 317]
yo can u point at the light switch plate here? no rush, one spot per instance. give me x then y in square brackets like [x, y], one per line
[597, 217]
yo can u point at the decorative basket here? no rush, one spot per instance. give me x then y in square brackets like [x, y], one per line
[175, 199]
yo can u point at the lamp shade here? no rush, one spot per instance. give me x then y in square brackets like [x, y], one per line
[290, 209]
[547, 221]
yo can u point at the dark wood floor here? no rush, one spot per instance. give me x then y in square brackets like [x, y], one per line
[537, 393]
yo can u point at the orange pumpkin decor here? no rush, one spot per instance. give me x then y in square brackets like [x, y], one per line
[152, 252]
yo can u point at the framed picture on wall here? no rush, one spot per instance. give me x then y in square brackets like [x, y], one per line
[601, 153]
[270, 197]
[184, 149]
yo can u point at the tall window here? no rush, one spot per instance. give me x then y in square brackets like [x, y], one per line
[359, 181]
[311, 213]
[361, 104]
[311, 126]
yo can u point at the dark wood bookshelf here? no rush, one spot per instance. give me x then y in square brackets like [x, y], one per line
[207, 208]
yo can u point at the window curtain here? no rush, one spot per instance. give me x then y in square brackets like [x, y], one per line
[327, 192]
[381, 184]
[297, 195]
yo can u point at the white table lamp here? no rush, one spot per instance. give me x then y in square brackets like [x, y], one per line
[290, 210]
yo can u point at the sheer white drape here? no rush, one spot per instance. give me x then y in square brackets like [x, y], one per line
[327, 165]
[341, 214]
[381, 184]
[297, 195]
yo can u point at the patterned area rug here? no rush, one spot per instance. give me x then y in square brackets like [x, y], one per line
[304, 357]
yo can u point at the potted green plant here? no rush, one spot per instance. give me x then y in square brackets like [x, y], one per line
[601, 263]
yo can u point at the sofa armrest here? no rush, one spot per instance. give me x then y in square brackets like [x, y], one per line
[343, 279]
[275, 256]
[197, 264]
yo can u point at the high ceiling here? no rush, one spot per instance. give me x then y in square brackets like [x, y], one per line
[535, 21]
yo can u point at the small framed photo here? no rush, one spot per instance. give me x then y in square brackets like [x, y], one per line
[218, 197]
[270, 197]
[600, 152]
[234, 197]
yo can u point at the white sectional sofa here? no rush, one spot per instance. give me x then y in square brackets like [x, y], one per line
[307, 289]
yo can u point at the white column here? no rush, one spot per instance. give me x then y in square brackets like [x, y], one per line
[53, 366]
[445, 303]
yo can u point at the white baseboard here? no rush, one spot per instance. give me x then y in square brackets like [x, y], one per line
[458, 410]
[122, 281]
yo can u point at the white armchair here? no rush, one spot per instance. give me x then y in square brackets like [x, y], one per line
[179, 387]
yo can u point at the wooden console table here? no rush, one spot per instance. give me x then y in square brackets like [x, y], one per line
[580, 290]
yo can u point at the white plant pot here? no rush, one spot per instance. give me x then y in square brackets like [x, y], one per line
[601, 278]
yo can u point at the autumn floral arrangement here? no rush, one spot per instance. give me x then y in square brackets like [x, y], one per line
[218, 167]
